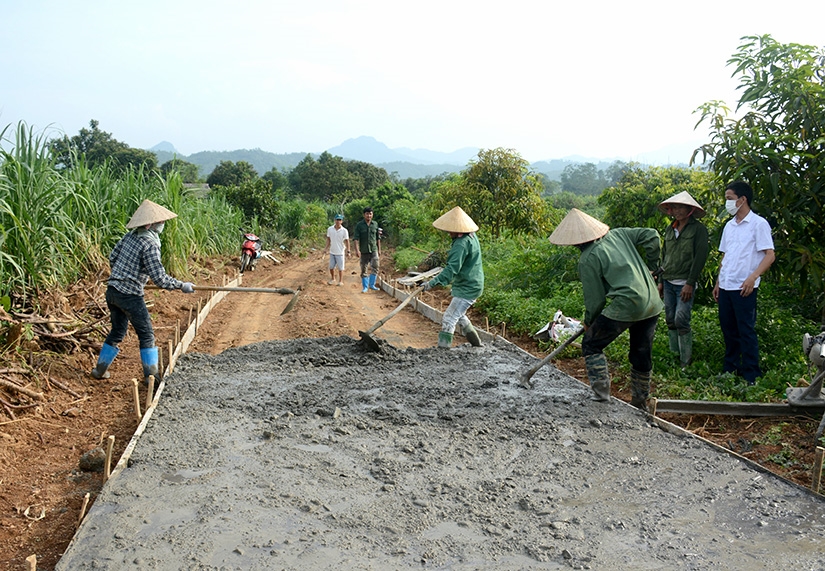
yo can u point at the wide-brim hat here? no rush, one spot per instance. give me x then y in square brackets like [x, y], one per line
[456, 220]
[685, 199]
[578, 228]
[149, 213]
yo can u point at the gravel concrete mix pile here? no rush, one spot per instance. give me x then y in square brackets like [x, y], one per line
[315, 454]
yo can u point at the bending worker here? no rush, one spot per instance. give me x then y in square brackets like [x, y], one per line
[134, 260]
[684, 254]
[611, 269]
[463, 270]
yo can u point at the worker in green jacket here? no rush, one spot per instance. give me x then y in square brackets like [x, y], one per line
[684, 254]
[619, 294]
[463, 270]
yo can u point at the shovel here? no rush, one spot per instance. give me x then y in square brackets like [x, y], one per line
[525, 378]
[366, 336]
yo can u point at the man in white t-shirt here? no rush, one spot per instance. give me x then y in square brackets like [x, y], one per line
[747, 253]
[337, 248]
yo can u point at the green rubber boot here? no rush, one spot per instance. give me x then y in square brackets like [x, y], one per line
[686, 348]
[472, 335]
[673, 338]
[599, 376]
[639, 389]
[445, 340]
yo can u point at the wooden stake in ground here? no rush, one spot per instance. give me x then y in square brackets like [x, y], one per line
[83, 508]
[136, 395]
[107, 469]
[150, 390]
[817, 475]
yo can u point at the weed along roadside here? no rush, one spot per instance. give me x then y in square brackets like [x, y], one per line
[281, 453]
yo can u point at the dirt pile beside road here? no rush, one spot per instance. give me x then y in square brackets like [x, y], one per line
[313, 454]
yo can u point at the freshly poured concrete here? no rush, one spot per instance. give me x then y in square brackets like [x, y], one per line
[314, 454]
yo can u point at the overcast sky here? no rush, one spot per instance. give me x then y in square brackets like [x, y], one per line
[548, 79]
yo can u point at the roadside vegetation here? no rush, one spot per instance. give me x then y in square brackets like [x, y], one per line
[64, 202]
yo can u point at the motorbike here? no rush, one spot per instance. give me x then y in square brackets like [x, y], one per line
[250, 251]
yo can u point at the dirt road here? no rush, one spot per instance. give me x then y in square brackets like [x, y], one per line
[314, 454]
[322, 310]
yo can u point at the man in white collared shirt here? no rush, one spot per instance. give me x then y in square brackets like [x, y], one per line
[747, 253]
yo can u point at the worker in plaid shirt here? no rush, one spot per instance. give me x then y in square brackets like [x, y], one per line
[134, 260]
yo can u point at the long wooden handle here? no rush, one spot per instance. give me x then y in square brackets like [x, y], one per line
[401, 306]
[525, 378]
[281, 290]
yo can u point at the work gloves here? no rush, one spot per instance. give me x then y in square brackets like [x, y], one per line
[426, 286]
[188, 287]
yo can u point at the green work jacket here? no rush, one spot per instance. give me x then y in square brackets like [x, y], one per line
[463, 268]
[366, 236]
[616, 282]
[685, 256]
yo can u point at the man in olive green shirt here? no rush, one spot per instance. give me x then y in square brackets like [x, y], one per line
[619, 295]
[367, 239]
[684, 254]
[464, 271]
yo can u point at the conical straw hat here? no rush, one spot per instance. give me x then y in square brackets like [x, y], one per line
[578, 228]
[149, 213]
[685, 198]
[456, 220]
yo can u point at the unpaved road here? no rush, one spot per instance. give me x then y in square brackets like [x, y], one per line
[314, 454]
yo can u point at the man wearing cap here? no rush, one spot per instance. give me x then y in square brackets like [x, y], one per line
[368, 242]
[463, 270]
[619, 295]
[684, 254]
[135, 259]
[337, 248]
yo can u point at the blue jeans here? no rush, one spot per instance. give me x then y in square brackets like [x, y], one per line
[604, 330]
[125, 308]
[677, 312]
[737, 318]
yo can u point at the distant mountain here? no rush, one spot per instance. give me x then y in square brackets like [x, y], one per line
[368, 150]
[403, 162]
[165, 146]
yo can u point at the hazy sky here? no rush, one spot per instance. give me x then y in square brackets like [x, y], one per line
[548, 79]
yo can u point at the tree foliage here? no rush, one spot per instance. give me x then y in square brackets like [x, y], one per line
[255, 199]
[188, 172]
[98, 147]
[634, 200]
[587, 179]
[778, 146]
[228, 173]
[499, 192]
[333, 179]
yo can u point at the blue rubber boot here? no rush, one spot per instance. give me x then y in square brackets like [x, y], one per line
[365, 284]
[107, 355]
[372, 282]
[149, 358]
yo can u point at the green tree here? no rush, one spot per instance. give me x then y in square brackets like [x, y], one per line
[584, 179]
[228, 173]
[277, 179]
[255, 199]
[188, 172]
[98, 147]
[634, 200]
[499, 192]
[778, 146]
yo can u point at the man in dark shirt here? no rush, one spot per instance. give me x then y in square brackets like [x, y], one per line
[367, 240]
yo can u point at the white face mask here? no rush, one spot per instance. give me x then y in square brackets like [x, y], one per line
[730, 206]
[157, 228]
